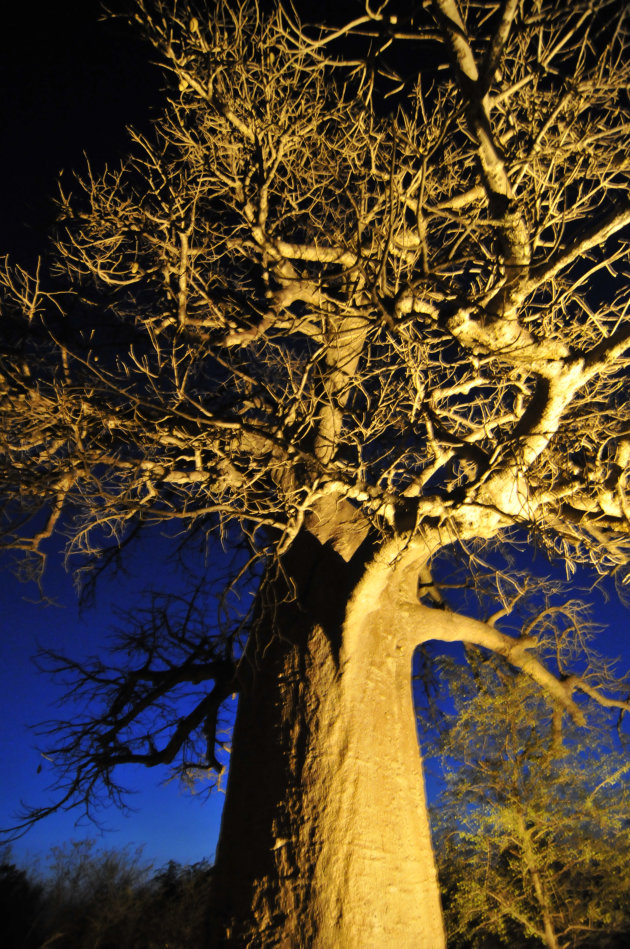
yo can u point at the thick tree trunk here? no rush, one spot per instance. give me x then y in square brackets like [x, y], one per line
[325, 839]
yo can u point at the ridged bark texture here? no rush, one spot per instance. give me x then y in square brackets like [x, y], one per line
[325, 839]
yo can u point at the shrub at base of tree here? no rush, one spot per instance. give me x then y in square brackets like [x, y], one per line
[103, 899]
[532, 826]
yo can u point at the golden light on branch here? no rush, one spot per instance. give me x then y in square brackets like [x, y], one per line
[359, 301]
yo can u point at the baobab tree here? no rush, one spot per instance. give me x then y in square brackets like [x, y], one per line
[358, 305]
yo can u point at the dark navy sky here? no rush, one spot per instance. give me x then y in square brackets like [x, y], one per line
[67, 85]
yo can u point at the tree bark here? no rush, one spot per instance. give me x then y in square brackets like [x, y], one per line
[325, 839]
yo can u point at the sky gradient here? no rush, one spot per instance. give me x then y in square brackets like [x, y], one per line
[69, 87]
[70, 84]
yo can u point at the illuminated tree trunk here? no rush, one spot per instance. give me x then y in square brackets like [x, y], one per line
[325, 839]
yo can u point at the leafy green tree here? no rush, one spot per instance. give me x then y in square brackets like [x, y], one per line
[533, 824]
[359, 305]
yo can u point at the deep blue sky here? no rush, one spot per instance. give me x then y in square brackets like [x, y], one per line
[168, 821]
[68, 84]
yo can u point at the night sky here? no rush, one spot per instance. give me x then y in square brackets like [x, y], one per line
[69, 85]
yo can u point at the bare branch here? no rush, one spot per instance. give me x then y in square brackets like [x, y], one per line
[448, 627]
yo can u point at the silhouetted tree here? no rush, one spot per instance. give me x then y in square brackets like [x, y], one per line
[20, 907]
[94, 898]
